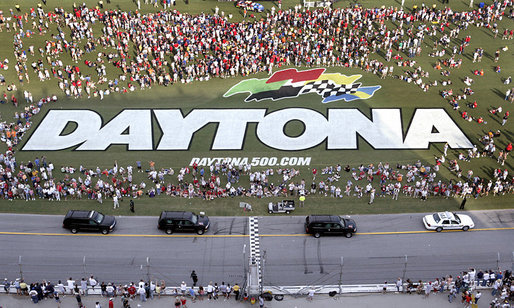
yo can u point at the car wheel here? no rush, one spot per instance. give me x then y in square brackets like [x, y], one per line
[317, 235]
[73, 230]
[169, 231]
[465, 228]
[439, 229]
[270, 211]
[348, 234]
[200, 231]
[288, 212]
[105, 231]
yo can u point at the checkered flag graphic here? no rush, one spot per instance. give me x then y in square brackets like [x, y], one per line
[328, 88]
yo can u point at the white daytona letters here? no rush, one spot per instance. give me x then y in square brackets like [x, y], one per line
[340, 128]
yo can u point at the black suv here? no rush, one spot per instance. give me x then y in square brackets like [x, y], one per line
[88, 221]
[184, 222]
[329, 224]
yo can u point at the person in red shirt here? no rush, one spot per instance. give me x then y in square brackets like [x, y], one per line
[132, 291]
[508, 149]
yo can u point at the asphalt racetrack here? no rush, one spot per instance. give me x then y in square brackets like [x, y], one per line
[386, 247]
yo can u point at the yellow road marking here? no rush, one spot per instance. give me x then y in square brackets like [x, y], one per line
[396, 232]
[122, 235]
[238, 235]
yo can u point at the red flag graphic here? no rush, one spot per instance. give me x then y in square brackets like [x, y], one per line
[296, 76]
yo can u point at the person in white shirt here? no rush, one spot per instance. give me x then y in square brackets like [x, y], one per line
[110, 290]
[142, 293]
[71, 285]
[92, 282]
[399, 285]
[60, 288]
[486, 278]
[83, 286]
[116, 203]
[152, 289]
[183, 288]
[477, 296]
[311, 295]
[209, 290]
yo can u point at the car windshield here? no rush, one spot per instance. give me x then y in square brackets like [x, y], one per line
[436, 217]
[98, 218]
[457, 218]
[194, 219]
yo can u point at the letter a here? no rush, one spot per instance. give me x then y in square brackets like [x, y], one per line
[421, 131]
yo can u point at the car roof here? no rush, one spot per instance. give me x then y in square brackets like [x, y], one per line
[324, 218]
[177, 215]
[446, 215]
[80, 214]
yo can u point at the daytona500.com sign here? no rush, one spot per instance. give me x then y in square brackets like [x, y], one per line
[338, 128]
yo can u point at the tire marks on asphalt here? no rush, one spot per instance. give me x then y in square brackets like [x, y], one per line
[320, 262]
[305, 265]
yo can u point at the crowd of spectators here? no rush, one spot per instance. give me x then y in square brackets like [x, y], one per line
[42, 180]
[168, 47]
[467, 285]
[140, 291]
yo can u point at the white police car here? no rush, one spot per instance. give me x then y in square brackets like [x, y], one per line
[448, 221]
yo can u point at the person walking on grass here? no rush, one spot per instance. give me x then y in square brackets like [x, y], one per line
[116, 202]
[372, 196]
[302, 200]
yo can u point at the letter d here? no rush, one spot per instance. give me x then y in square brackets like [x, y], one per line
[48, 135]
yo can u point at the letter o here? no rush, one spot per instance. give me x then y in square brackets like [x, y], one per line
[270, 130]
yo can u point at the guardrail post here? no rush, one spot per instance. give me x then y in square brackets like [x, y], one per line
[19, 264]
[148, 268]
[404, 268]
[244, 258]
[246, 274]
[84, 266]
[263, 261]
[341, 276]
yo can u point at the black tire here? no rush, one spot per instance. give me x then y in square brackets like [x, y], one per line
[317, 235]
[270, 211]
[348, 234]
[169, 231]
[279, 297]
[74, 230]
[105, 231]
[439, 229]
[465, 228]
[200, 231]
[288, 212]
[267, 296]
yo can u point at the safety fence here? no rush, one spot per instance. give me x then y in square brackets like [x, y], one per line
[352, 273]
[289, 290]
